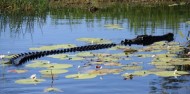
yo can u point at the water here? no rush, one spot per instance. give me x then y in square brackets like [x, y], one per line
[19, 32]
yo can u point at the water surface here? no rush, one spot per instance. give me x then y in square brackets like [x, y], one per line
[19, 32]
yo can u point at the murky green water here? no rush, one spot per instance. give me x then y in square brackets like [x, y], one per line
[21, 31]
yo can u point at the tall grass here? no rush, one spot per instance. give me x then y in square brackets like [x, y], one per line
[23, 5]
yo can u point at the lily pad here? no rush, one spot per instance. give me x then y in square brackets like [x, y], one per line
[44, 64]
[144, 55]
[97, 62]
[53, 47]
[181, 34]
[81, 76]
[38, 64]
[113, 26]
[108, 59]
[142, 73]
[105, 71]
[170, 73]
[9, 56]
[119, 55]
[55, 72]
[60, 56]
[165, 67]
[112, 64]
[51, 89]
[94, 40]
[132, 67]
[188, 22]
[85, 54]
[17, 71]
[119, 47]
[76, 58]
[29, 81]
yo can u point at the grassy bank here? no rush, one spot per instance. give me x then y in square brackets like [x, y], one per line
[43, 5]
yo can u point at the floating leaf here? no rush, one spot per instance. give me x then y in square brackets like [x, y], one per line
[112, 64]
[105, 71]
[81, 76]
[5, 63]
[45, 64]
[144, 55]
[17, 71]
[170, 73]
[119, 47]
[55, 72]
[173, 5]
[9, 56]
[119, 55]
[142, 73]
[94, 40]
[53, 47]
[181, 34]
[51, 89]
[76, 58]
[97, 62]
[113, 26]
[38, 64]
[85, 54]
[60, 56]
[161, 63]
[130, 50]
[29, 81]
[188, 22]
[108, 59]
[132, 67]
[165, 67]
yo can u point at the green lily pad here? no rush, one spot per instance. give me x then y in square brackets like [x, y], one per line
[112, 64]
[170, 73]
[131, 67]
[160, 43]
[85, 54]
[108, 59]
[94, 40]
[29, 81]
[173, 5]
[60, 56]
[45, 64]
[113, 26]
[105, 71]
[161, 63]
[97, 63]
[51, 89]
[181, 34]
[76, 58]
[9, 56]
[81, 76]
[165, 67]
[188, 22]
[142, 73]
[119, 47]
[5, 63]
[144, 55]
[53, 47]
[38, 64]
[17, 71]
[119, 55]
[55, 72]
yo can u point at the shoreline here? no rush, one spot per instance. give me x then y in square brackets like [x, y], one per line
[44, 5]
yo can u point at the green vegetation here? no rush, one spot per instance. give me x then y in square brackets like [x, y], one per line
[16, 13]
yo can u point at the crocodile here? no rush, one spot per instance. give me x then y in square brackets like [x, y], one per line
[19, 59]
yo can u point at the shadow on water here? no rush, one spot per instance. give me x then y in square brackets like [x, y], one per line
[139, 18]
